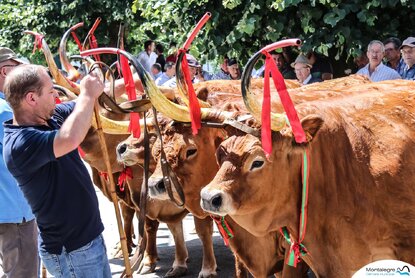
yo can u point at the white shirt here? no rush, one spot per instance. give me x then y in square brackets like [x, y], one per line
[147, 60]
[380, 73]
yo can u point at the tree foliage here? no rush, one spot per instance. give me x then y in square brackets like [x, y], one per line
[239, 28]
[53, 18]
[339, 29]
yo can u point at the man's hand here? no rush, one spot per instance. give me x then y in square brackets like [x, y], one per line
[92, 85]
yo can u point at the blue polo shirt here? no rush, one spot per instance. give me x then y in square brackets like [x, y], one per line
[59, 190]
[13, 206]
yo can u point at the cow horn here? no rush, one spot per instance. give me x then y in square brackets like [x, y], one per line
[278, 121]
[118, 127]
[181, 83]
[73, 74]
[159, 101]
[175, 111]
[53, 68]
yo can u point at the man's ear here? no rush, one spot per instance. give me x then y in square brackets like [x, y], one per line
[3, 71]
[30, 98]
[311, 125]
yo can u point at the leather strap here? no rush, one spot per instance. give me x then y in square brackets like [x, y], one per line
[169, 177]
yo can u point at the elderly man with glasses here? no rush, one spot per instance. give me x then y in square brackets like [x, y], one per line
[375, 69]
[408, 55]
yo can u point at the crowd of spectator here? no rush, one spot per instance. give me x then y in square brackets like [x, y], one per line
[391, 59]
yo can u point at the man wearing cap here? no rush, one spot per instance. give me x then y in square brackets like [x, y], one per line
[375, 69]
[193, 68]
[18, 231]
[302, 69]
[408, 55]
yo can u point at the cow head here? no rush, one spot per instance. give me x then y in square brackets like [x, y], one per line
[130, 152]
[192, 160]
[251, 188]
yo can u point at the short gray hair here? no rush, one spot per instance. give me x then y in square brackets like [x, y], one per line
[382, 46]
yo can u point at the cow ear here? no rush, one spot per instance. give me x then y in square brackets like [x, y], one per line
[311, 125]
[202, 93]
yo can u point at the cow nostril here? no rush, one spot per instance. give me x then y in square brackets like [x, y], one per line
[217, 201]
[160, 186]
[122, 148]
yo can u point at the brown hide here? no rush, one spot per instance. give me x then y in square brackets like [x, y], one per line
[361, 179]
[193, 161]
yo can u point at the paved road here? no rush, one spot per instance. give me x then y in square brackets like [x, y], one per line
[224, 257]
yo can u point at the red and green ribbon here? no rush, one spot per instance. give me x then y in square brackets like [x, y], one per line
[297, 249]
[223, 227]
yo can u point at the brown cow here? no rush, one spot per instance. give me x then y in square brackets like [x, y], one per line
[361, 180]
[192, 159]
[162, 211]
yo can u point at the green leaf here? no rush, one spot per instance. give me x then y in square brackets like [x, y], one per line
[231, 4]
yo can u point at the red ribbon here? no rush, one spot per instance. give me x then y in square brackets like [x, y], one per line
[78, 42]
[134, 126]
[127, 173]
[38, 42]
[299, 135]
[93, 43]
[194, 106]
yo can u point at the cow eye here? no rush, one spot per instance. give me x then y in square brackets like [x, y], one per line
[190, 152]
[256, 164]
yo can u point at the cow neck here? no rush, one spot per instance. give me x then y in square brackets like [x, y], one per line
[297, 249]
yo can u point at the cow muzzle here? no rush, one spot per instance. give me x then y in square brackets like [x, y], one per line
[124, 156]
[157, 188]
[216, 202]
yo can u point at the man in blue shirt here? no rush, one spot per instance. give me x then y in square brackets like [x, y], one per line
[18, 231]
[375, 69]
[408, 55]
[40, 150]
[169, 72]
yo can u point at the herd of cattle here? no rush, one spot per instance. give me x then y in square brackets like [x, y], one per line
[361, 146]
